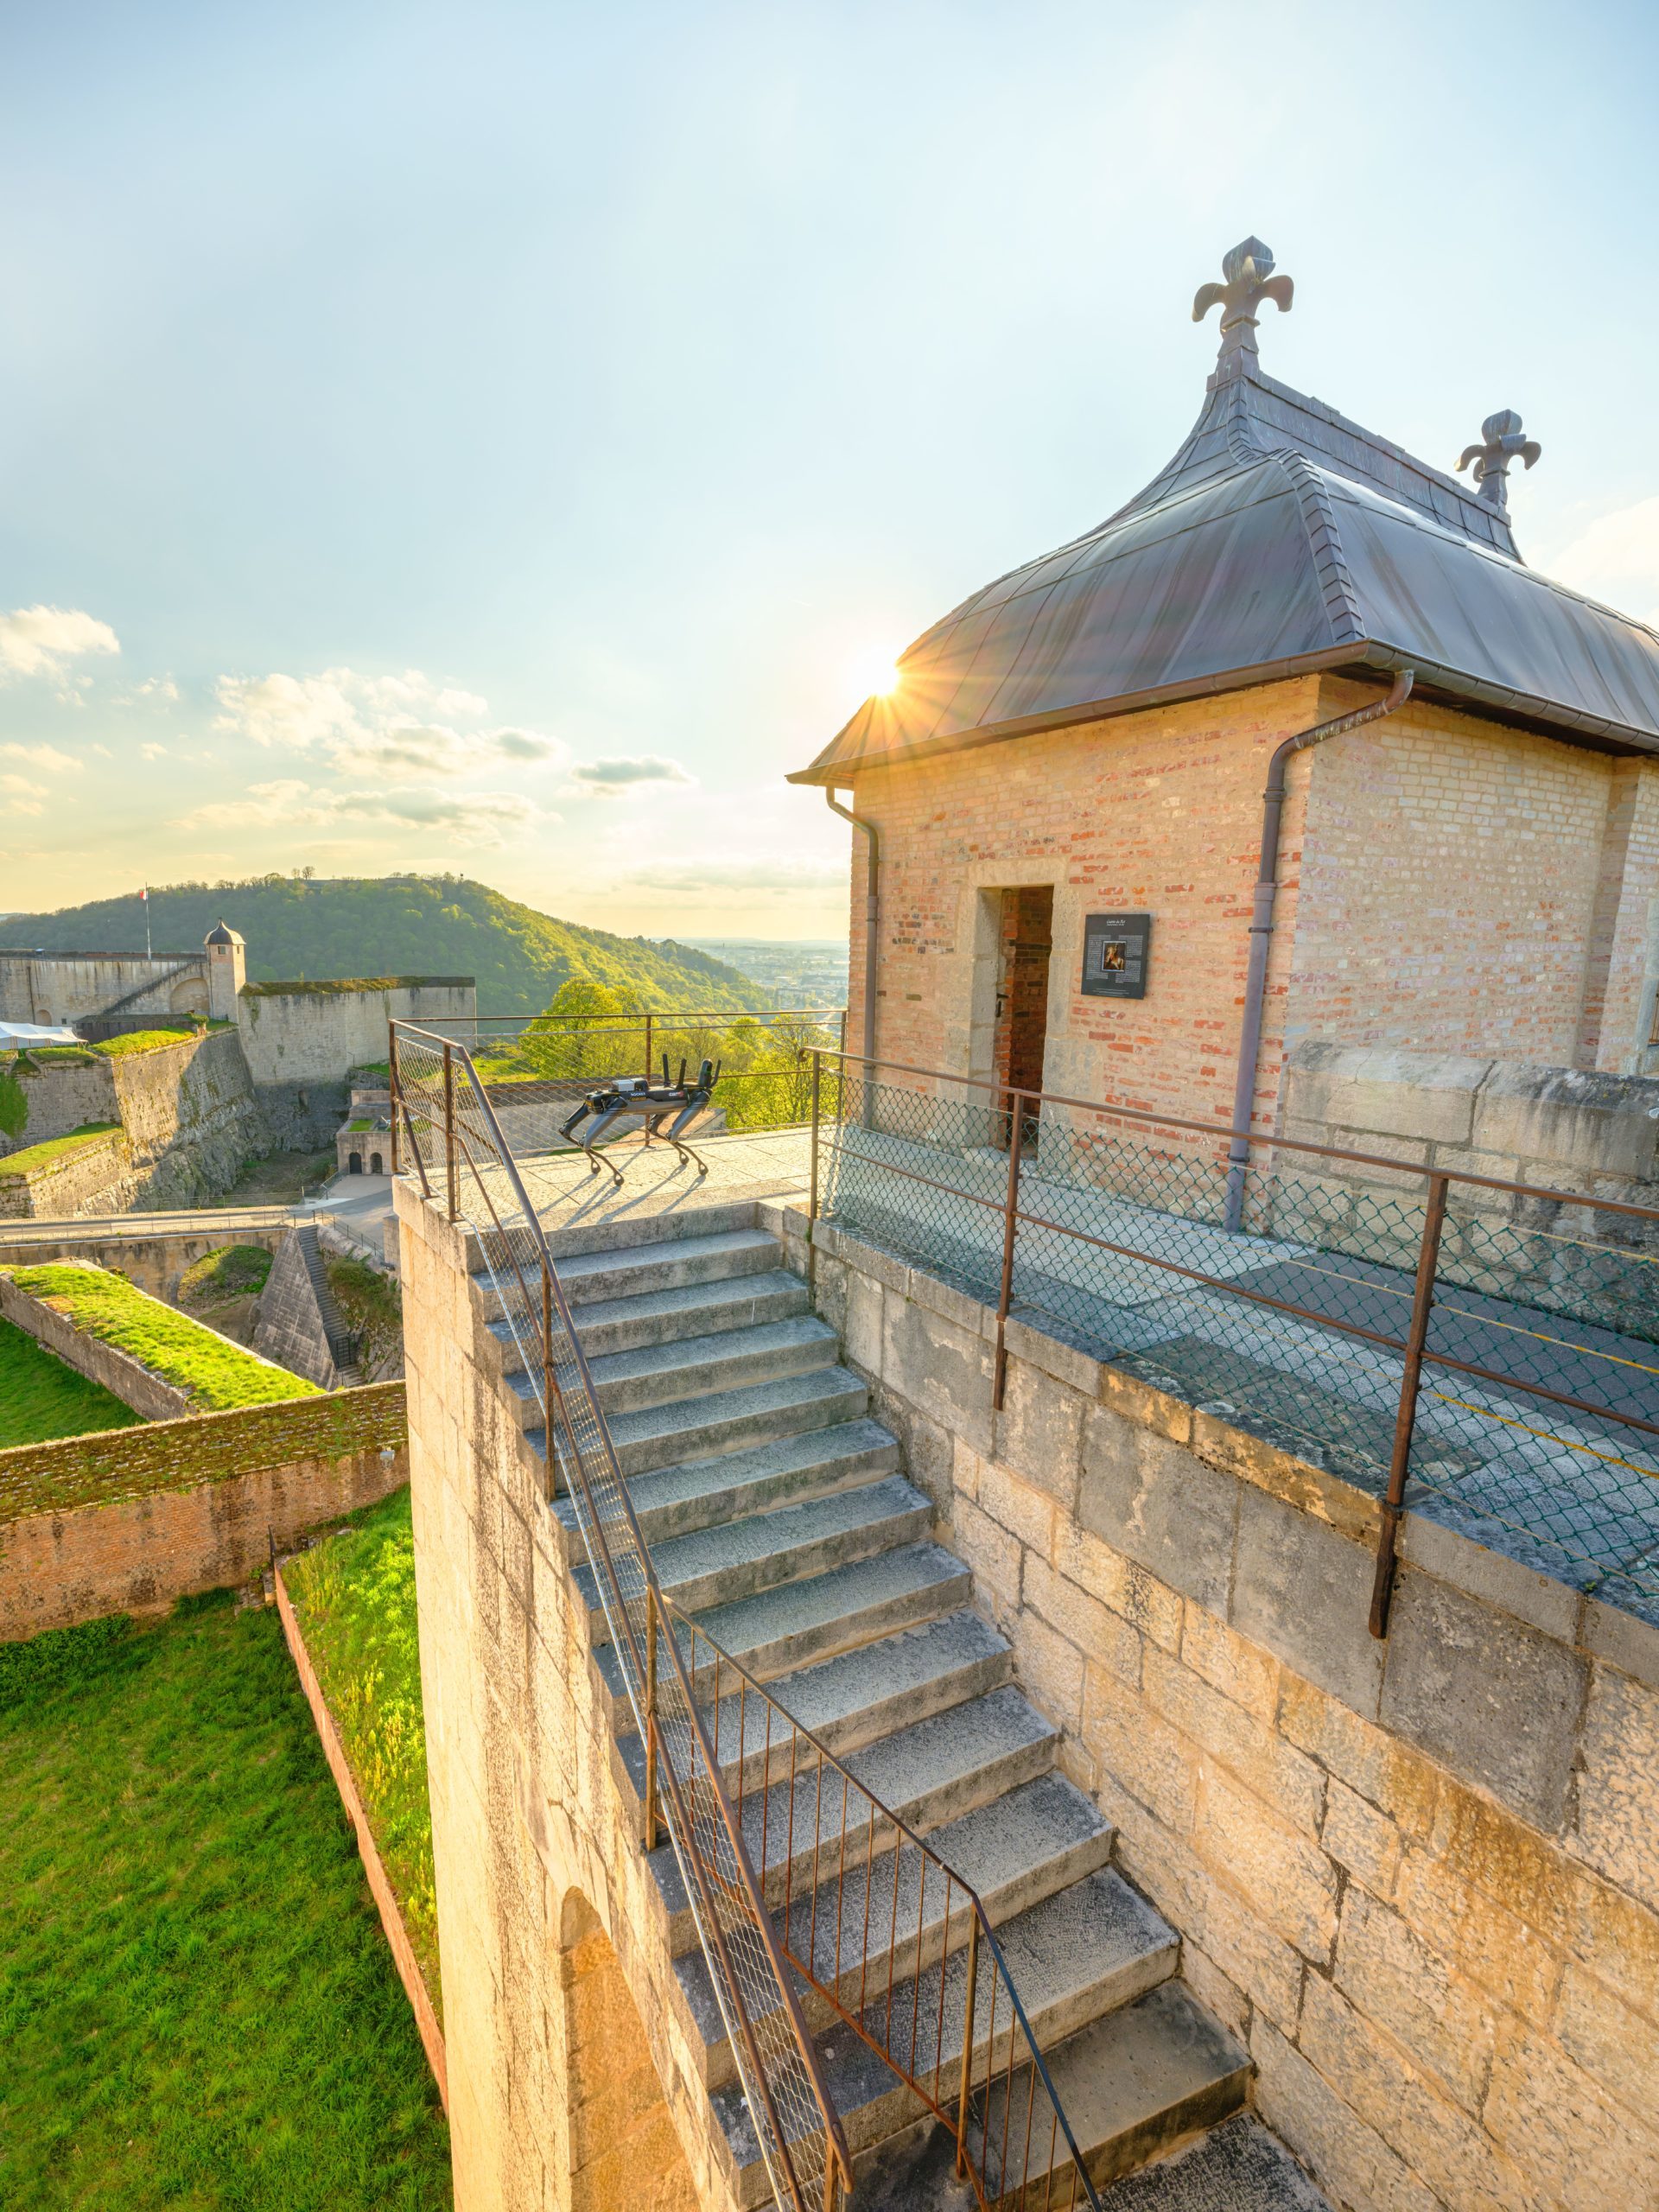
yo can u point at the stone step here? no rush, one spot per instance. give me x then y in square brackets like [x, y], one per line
[858, 1935]
[695, 1309]
[645, 1234]
[1135, 2083]
[715, 1567]
[734, 1420]
[1088, 1952]
[852, 1700]
[789, 1627]
[671, 1316]
[1238, 2165]
[925, 1774]
[589, 1278]
[697, 1493]
[700, 1367]
[598, 1277]
[1132, 2084]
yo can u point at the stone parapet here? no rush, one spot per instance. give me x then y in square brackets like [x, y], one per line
[1419, 1879]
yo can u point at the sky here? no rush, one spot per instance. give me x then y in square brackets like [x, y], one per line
[509, 439]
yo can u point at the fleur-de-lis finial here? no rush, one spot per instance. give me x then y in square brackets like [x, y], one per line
[1505, 443]
[1248, 271]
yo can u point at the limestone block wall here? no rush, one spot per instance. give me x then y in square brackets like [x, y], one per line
[56, 988]
[93, 1178]
[290, 1327]
[535, 1837]
[187, 1112]
[132, 1519]
[303, 1033]
[1420, 1880]
[155, 1263]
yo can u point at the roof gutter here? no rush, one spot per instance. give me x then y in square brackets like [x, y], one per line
[1267, 891]
[872, 911]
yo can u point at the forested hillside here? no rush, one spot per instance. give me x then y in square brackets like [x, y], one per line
[397, 925]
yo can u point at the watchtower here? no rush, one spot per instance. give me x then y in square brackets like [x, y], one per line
[228, 970]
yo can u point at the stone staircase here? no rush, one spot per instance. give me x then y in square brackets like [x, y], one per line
[777, 1512]
[342, 1345]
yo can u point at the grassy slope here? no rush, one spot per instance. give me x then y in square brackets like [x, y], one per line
[354, 1595]
[217, 1374]
[197, 2006]
[399, 925]
[41, 1398]
[17, 1164]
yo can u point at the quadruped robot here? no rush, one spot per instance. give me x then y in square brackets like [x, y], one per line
[679, 1099]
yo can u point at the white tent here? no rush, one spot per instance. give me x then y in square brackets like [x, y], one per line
[14, 1035]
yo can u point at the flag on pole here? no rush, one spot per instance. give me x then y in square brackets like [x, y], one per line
[143, 898]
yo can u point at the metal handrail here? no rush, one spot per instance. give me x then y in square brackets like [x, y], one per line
[969, 2100]
[1016, 1104]
[700, 1866]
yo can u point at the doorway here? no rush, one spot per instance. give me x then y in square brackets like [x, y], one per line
[1025, 938]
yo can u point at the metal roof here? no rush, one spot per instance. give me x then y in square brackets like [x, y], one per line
[1281, 538]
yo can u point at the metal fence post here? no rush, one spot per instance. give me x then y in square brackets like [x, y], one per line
[449, 1123]
[648, 1027]
[812, 1202]
[392, 1084]
[650, 1719]
[1005, 1296]
[1393, 1498]
[968, 2043]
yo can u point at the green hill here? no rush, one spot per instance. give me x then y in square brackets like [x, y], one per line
[299, 927]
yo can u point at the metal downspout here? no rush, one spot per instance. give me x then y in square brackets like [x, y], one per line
[872, 911]
[1267, 890]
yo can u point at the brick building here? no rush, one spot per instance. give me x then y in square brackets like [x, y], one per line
[1471, 868]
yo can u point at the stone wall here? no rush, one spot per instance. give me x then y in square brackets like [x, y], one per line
[155, 1263]
[188, 1114]
[62, 987]
[1420, 1879]
[86, 1178]
[301, 1034]
[1446, 883]
[290, 1328]
[536, 1841]
[132, 1519]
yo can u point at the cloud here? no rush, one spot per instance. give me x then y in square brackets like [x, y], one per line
[1616, 559]
[467, 817]
[21, 796]
[152, 752]
[153, 687]
[39, 640]
[380, 725]
[43, 756]
[607, 777]
[746, 875]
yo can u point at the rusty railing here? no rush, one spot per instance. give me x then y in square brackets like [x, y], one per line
[455, 1146]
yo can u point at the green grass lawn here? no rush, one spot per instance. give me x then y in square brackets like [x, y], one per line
[41, 1398]
[354, 1597]
[218, 1375]
[198, 2010]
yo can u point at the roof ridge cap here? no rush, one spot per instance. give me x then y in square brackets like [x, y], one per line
[1337, 587]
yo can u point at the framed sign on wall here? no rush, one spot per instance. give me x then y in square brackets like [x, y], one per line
[1116, 951]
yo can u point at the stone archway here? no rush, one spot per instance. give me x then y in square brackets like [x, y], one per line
[623, 2147]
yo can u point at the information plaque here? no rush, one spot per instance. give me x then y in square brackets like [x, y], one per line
[1115, 951]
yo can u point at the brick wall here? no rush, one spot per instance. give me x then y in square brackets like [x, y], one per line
[131, 1520]
[1446, 881]
[1419, 1880]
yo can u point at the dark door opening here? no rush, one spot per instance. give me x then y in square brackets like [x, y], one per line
[1025, 939]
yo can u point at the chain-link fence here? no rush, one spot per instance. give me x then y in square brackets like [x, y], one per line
[450, 1137]
[1512, 1390]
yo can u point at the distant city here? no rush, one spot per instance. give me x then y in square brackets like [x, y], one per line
[802, 971]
